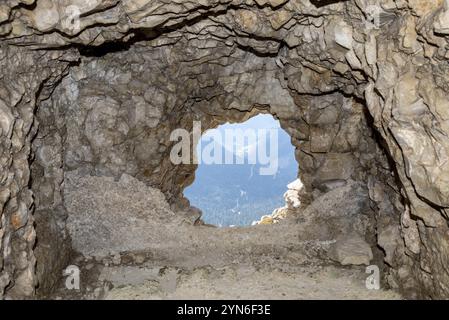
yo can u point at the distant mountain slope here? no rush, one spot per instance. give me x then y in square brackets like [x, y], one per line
[237, 194]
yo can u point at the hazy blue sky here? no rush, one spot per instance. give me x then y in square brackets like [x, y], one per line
[238, 194]
[262, 121]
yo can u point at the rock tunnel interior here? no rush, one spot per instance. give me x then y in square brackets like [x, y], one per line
[98, 124]
[110, 117]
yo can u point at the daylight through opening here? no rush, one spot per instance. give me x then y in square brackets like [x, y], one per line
[243, 172]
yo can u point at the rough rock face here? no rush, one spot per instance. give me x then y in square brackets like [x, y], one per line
[351, 250]
[24, 84]
[360, 85]
[341, 211]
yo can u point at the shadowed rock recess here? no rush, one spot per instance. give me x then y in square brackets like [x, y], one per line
[87, 107]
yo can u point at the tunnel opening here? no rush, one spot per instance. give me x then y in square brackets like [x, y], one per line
[244, 172]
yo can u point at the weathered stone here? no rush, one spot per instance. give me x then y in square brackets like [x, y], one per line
[336, 166]
[351, 250]
[442, 22]
[6, 120]
[343, 35]
[342, 210]
[388, 240]
[322, 138]
[280, 18]
[273, 3]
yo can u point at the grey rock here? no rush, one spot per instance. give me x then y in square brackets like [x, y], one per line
[351, 249]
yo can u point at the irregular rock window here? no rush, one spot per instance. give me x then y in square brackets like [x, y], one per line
[232, 189]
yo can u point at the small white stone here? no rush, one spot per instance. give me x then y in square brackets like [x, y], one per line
[441, 24]
[6, 120]
[343, 35]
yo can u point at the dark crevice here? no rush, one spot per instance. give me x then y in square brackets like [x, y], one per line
[381, 142]
[148, 34]
[145, 34]
[323, 3]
